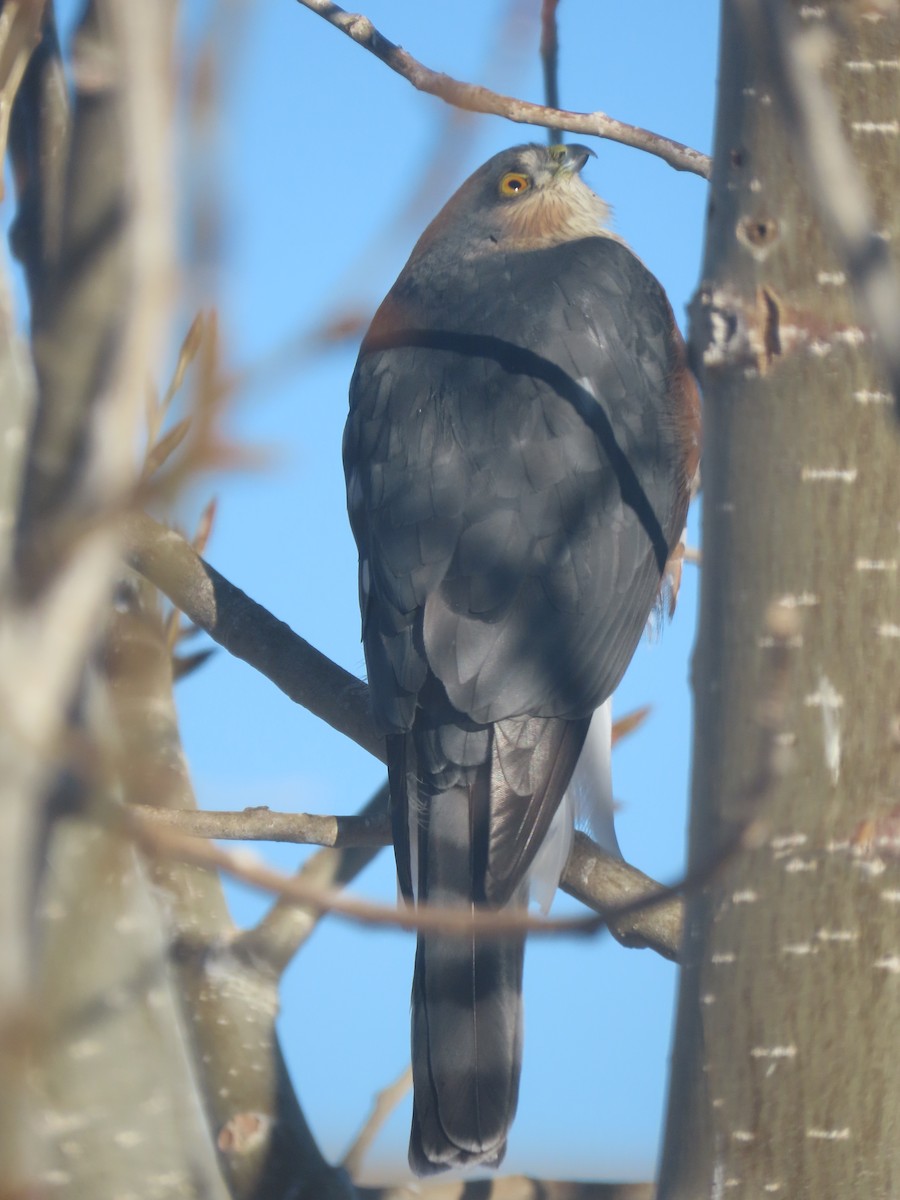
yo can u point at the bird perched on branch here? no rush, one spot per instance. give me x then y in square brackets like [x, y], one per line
[522, 438]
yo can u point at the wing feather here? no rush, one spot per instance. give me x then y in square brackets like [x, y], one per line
[513, 489]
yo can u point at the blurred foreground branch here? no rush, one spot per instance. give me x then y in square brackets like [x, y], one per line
[513, 1187]
[84, 965]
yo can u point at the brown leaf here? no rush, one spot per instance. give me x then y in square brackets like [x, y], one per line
[172, 629]
[185, 664]
[186, 355]
[204, 526]
[166, 447]
[629, 723]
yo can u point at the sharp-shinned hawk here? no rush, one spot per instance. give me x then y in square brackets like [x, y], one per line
[522, 438]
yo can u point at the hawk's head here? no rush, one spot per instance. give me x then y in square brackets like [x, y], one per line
[527, 197]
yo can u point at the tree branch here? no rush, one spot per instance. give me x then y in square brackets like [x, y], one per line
[230, 1000]
[44, 645]
[249, 632]
[550, 53]
[309, 678]
[112, 994]
[611, 887]
[263, 825]
[480, 99]
[383, 1105]
[597, 879]
[158, 840]
[287, 925]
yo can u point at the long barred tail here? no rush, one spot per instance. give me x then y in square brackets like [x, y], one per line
[471, 806]
[466, 1010]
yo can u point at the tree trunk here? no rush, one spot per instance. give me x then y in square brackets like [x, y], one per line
[786, 1072]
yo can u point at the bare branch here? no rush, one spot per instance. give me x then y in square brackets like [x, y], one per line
[250, 632]
[384, 1104]
[148, 760]
[473, 98]
[309, 678]
[263, 825]
[550, 54]
[287, 925]
[229, 1000]
[81, 309]
[607, 884]
[599, 880]
[88, 302]
[158, 840]
[346, 317]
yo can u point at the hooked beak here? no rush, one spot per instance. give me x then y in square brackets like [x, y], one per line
[569, 159]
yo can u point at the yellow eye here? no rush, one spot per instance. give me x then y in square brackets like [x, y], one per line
[514, 183]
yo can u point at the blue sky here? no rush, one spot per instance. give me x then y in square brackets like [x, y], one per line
[318, 150]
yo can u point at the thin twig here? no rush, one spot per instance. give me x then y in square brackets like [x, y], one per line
[250, 632]
[480, 99]
[264, 825]
[597, 879]
[287, 925]
[157, 839]
[345, 317]
[550, 55]
[382, 1106]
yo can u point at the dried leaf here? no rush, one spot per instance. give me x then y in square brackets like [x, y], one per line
[166, 446]
[629, 723]
[186, 355]
[172, 629]
[204, 526]
[341, 327]
[185, 664]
